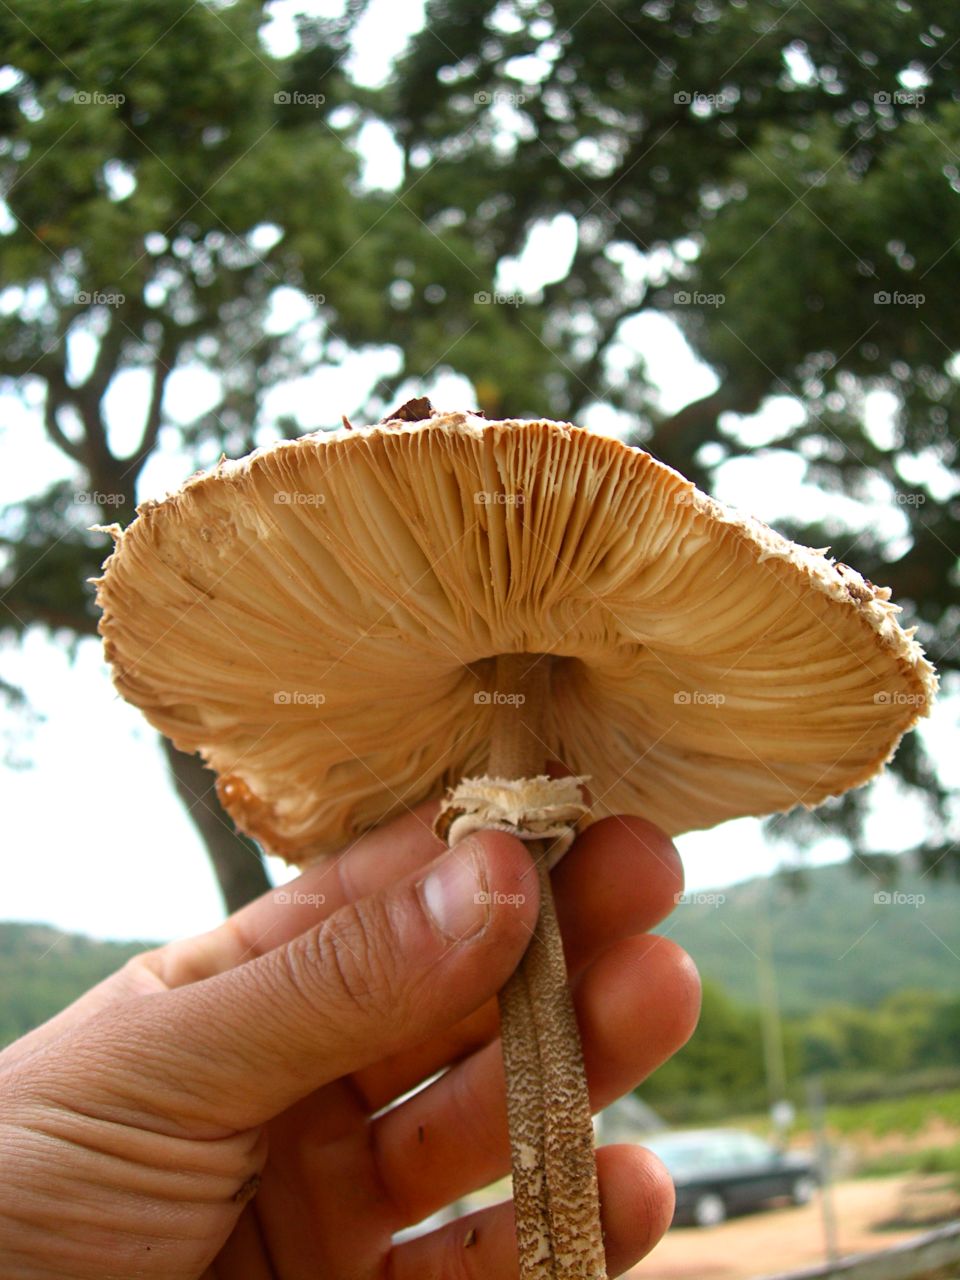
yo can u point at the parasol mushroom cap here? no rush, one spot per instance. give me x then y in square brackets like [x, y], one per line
[321, 621]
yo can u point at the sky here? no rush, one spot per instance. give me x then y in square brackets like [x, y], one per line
[95, 840]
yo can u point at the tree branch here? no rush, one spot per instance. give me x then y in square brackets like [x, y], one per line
[30, 611]
[55, 401]
[162, 367]
[105, 365]
[89, 394]
[594, 366]
[676, 439]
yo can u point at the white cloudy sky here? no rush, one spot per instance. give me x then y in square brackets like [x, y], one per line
[95, 839]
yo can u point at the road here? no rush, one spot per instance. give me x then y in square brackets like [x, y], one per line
[778, 1240]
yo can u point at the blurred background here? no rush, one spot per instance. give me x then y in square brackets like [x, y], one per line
[729, 233]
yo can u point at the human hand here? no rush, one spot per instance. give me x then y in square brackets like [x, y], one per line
[214, 1109]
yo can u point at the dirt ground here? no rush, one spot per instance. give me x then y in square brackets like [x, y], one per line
[871, 1213]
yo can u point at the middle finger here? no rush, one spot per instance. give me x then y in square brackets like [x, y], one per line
[621, 877]
[636, 1005]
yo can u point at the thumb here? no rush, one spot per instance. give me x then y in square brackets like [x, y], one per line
[378, 976]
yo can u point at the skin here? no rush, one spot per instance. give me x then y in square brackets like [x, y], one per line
[211, 1110]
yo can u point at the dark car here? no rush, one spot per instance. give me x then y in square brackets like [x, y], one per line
[721, 1171]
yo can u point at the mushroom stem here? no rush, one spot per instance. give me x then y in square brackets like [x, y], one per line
[555, 1193]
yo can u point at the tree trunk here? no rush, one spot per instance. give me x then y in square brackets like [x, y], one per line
[237, 862]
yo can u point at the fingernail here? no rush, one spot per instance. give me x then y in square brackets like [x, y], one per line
[455, 892]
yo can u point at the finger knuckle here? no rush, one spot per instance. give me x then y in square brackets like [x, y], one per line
[351, 953]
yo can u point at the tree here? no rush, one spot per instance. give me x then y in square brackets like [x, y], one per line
[721, 1067]
[176, 194]
[782, 181]
[141, 193]
[173, 196]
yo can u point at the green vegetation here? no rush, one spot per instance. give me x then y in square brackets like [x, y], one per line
[178, 202]
[876, 1056]
[906, 1115]
[867, 988]
[42, 970]
[929, 1160]
[832, 942]
[852, 1021]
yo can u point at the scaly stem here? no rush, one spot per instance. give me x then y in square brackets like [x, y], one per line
[548, 1107]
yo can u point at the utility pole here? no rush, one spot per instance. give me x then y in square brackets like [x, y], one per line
[770, 1021]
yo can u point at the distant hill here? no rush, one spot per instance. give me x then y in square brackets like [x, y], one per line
[831, 941]
[42, 970]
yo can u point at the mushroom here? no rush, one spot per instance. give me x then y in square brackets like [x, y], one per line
[348, 623]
